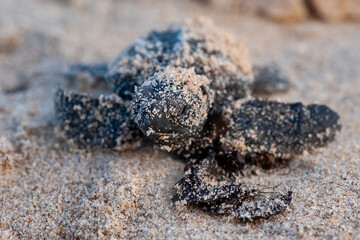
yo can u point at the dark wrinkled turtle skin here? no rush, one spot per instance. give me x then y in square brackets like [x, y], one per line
[187, 89]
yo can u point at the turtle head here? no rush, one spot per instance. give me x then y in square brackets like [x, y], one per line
[172, 106]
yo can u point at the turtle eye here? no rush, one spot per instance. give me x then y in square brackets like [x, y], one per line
[203, 90]
[177, 109]
[184, 110]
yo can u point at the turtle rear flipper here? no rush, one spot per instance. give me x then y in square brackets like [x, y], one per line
[281, 130]
[104, 121]
[269, 79]
[89, 75]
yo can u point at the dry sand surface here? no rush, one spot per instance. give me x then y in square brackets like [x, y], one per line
[51, 189]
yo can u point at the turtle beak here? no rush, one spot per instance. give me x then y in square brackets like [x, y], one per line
[157, 123]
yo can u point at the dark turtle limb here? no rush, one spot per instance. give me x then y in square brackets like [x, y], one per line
[103, 121]
[250, 208]
[96, 70]
[202, 182]
[280, 130]
[268, 79]
[94, 75]
[210, 187]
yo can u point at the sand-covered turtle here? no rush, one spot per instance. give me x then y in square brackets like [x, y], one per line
[188, 89]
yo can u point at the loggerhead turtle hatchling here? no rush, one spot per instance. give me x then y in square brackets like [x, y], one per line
[187, 89]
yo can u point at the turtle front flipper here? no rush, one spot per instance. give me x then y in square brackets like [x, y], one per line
[202, 183]
[250, 208]
[208, 186]
[104, 121]
[275, 130]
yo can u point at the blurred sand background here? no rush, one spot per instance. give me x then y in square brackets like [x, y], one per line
[51, 189]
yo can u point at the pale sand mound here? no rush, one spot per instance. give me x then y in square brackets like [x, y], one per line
[50, 189]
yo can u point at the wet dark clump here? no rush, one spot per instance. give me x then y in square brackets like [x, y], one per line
[187, 89]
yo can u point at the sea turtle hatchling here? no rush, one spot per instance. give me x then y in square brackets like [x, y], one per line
[187, 89]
